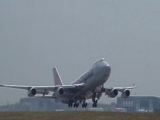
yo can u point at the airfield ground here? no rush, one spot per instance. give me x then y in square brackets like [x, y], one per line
[76, 115]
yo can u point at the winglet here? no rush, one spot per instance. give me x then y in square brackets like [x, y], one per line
[134, 85]
[57, 78]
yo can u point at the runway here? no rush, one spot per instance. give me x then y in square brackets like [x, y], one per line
[78, 115]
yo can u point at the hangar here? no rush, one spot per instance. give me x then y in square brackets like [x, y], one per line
[139, 103]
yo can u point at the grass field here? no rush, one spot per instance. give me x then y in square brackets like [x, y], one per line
[77, 115]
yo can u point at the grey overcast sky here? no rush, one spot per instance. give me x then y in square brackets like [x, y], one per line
[36, 35]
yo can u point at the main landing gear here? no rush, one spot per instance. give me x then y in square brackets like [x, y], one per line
[84, 104]
[95, 104]
[75, 105]
[94, 100]
[70, 103]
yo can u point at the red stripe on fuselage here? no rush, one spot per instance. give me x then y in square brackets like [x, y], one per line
[77, 81]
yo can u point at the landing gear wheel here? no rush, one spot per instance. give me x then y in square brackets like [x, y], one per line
[70, 103]
[95, 101]
[82, 105]
[85, 105]
[74, 105]
[77, 105]
[94, 105]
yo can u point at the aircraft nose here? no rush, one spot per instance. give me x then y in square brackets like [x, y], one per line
[106, 68]
[103, 68]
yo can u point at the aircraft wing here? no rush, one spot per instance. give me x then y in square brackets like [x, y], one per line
[44, 88]
[121, 89]
[16, 86]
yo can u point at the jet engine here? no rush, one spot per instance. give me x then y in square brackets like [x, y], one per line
[113, 93]
[32, 92]
[125, 93]
[59, 92]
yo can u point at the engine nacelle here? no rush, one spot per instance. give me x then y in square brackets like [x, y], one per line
[59, 92]
[32, 92]
[113, 93]
[125, 93]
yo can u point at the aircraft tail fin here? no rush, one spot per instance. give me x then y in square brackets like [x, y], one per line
[57, 78]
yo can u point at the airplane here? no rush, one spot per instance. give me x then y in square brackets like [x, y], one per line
[89, 85]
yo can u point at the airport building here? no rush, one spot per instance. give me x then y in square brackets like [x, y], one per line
[139, 103]
[48, 104]
[34, 104]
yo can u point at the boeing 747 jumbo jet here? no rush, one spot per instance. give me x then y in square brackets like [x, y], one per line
[90, 85]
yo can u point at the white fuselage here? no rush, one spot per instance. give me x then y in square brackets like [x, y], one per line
[96, 76]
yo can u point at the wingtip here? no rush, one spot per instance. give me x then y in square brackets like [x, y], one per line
[1, 85]
[134, 85]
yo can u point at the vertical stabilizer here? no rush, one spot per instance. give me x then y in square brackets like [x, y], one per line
[57, 78]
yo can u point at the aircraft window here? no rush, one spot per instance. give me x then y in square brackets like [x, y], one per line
[102, 59]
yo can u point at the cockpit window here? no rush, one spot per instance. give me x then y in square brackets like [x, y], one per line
[102, 59]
